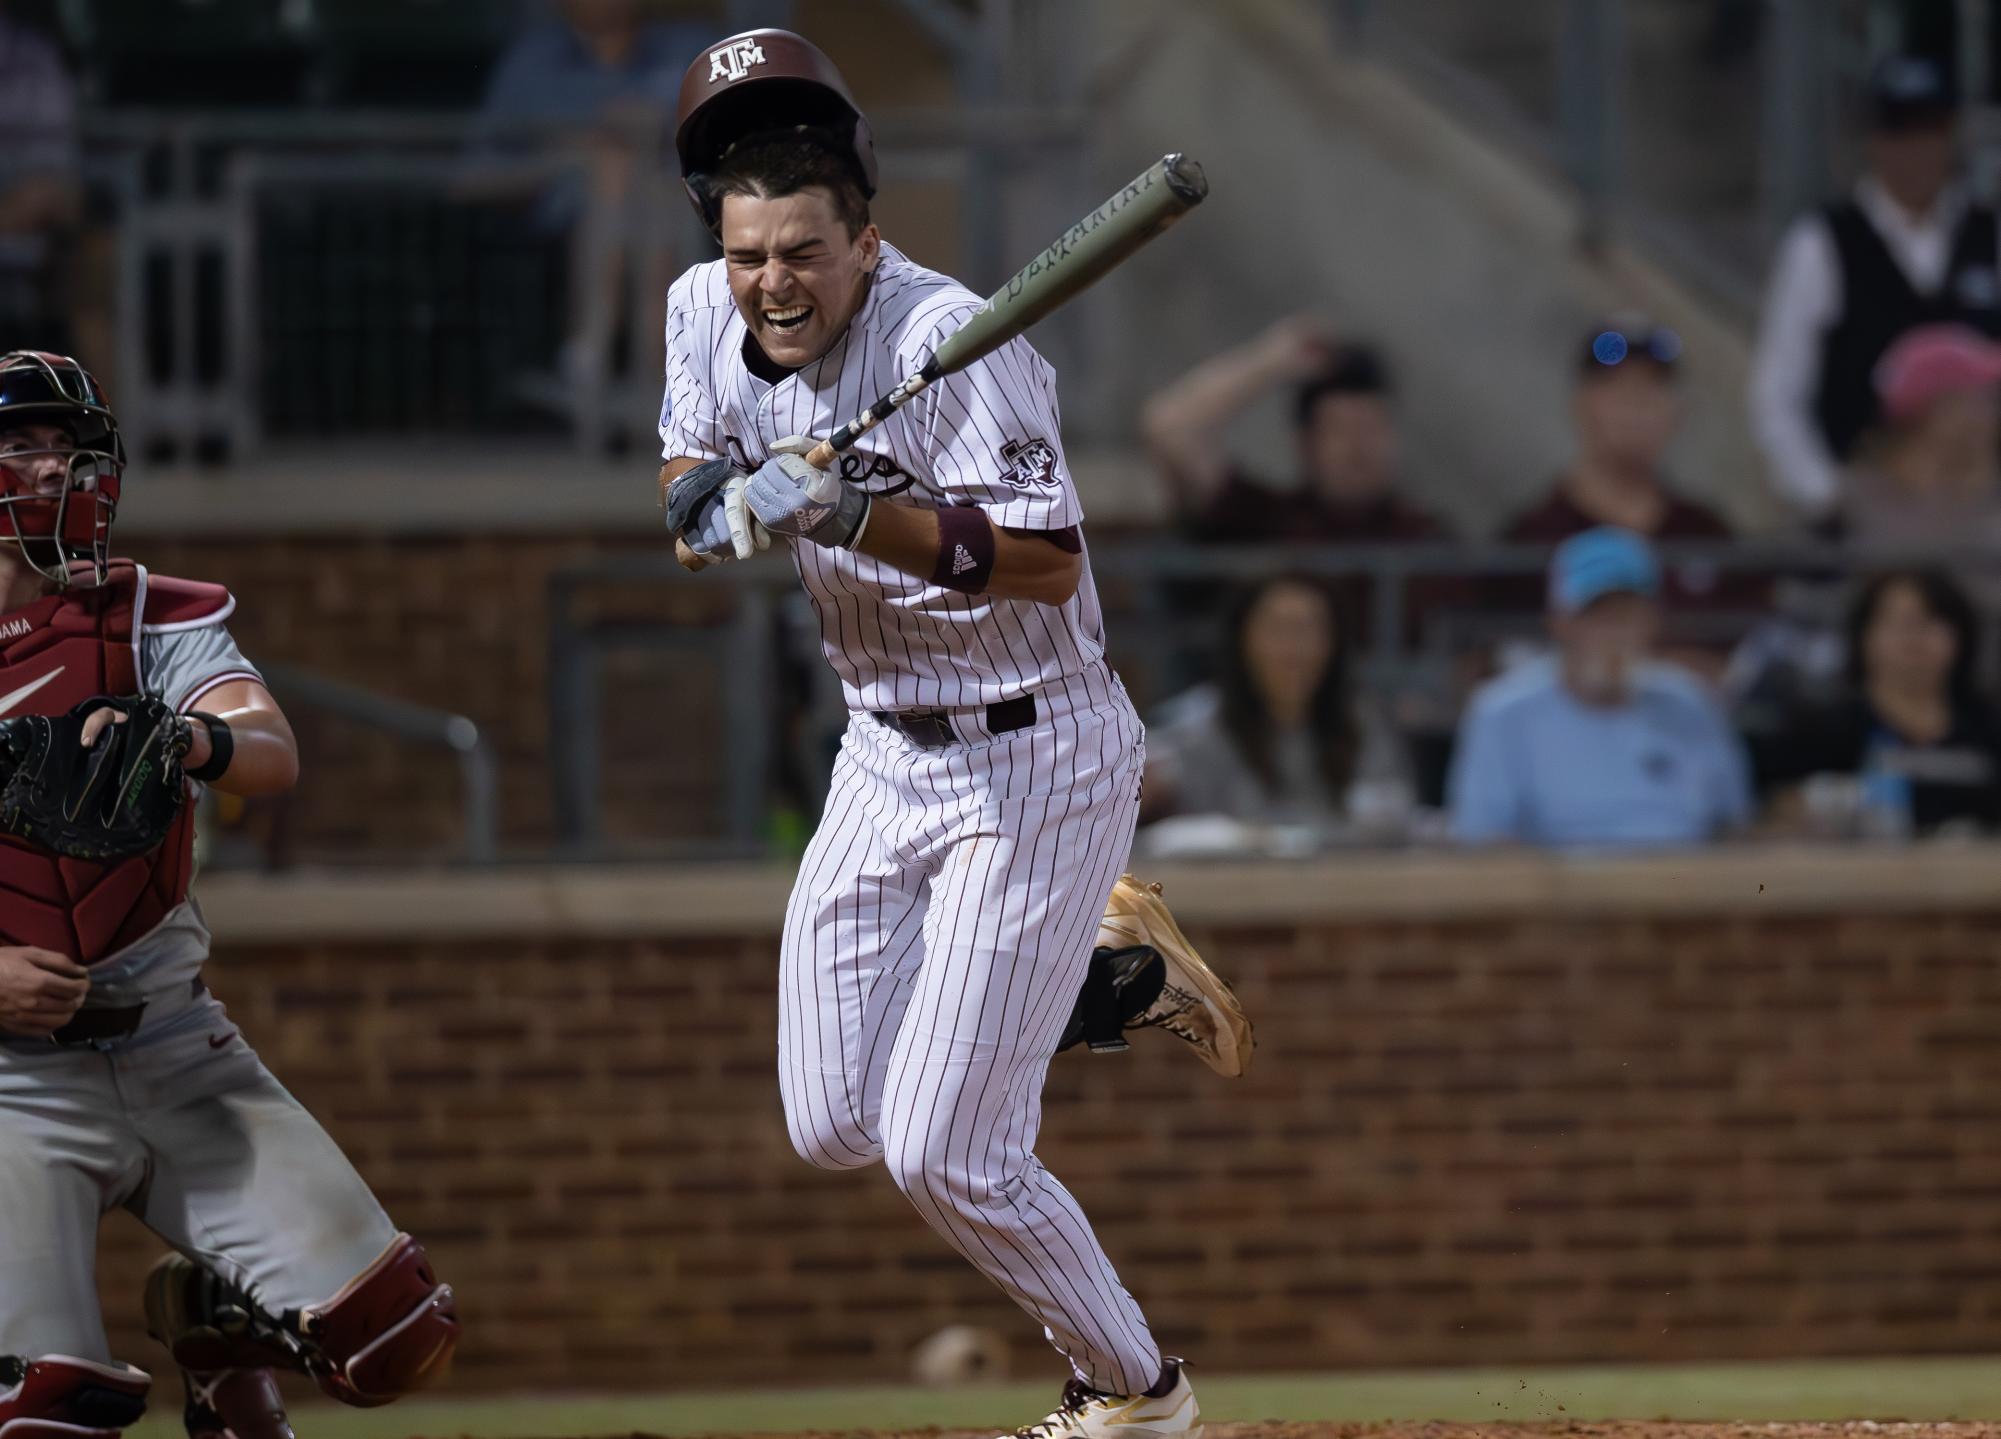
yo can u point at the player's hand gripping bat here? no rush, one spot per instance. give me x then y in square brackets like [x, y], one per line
[1082, 255]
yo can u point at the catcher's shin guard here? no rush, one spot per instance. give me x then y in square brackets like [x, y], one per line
[390, 1330]
[226, 1349]
[57, 1397]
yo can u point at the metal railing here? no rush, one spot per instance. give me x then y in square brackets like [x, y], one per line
[479, 782]
[201, 286]
[1163, 621]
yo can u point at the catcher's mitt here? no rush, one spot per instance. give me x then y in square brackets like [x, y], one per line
[117, 798]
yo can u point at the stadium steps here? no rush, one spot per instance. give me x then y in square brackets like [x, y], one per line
[1338, 188]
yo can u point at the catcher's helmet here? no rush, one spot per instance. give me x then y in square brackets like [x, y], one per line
[57, 502]
[762, 80]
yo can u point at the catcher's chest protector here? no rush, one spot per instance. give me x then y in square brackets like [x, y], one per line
[54, 654]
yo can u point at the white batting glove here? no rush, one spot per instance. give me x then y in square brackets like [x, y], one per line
[793, 498]
[737, 511]
[747, 533]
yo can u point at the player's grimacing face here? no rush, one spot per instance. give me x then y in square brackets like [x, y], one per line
[796, 274]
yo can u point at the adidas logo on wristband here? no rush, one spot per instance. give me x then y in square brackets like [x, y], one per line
[962, 560]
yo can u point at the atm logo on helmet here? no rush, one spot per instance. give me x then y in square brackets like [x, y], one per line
[734, 60]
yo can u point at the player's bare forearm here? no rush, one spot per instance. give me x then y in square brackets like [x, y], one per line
[1025, 568]
[265, 754]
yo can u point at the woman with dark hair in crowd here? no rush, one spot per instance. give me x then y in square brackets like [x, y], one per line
[1282, 738]
[1913, 722]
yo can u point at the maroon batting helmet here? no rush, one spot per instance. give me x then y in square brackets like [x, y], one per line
[762, 80]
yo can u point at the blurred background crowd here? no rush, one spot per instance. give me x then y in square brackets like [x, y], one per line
[1572, 423]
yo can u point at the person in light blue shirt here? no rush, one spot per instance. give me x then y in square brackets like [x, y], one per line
[1598, 745]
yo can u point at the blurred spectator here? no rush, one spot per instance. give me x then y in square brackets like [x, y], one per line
[1344, 432]
[1626, 407]
[1598, 744]
[1907, 248]
[1911, 724]
[1283, 738]
[596, 86]
[600, 67]
[1929, 477]
[39, 190]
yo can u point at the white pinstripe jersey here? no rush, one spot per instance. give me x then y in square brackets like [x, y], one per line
[986, 436]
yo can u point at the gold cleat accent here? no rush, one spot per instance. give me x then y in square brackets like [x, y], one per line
[1196, 1005]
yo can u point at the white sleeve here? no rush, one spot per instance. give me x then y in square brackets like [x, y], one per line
[1801, 305]
[690, 425]
[992, 438]
[181, 665]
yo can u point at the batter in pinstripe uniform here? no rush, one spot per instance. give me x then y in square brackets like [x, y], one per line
[984, 799]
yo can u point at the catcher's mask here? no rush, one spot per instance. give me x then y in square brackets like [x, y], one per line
[57, 500]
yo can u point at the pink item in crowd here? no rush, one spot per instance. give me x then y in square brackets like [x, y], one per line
[1932, 361]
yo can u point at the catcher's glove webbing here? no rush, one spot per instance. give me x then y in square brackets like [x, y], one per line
[119, 797]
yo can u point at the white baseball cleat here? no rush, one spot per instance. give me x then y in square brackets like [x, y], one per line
[1084, 1413]
[1195, 1005]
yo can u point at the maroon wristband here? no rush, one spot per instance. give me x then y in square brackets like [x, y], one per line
[965, 550]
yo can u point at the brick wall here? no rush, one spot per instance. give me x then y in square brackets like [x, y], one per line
[1496, 1140]
[460, 624]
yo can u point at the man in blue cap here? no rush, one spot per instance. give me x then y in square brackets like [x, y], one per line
[1598, 744]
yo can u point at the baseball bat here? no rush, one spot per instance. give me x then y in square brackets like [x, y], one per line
[1085, 253]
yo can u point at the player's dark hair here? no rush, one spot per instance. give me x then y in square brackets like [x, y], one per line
[1330, 712]
[1944, 600]
[1350, 370]
[772, 164]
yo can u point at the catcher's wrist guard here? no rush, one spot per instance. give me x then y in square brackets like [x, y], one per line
[222, 748]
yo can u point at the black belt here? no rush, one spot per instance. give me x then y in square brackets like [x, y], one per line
[92, 1026]
[932, 729]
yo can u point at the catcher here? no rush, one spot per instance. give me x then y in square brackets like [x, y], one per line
[122, 1081]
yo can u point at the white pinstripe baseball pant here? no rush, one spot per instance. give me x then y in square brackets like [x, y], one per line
[936, 939]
